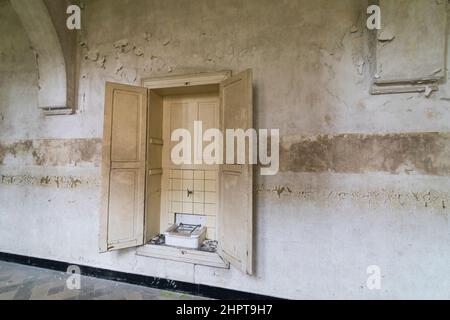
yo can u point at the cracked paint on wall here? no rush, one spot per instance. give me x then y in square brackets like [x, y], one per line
[383, 197]
[59, 182]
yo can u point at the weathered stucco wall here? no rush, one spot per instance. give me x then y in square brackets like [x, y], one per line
[364, 179]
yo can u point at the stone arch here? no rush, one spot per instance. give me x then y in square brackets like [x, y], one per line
[54, 80]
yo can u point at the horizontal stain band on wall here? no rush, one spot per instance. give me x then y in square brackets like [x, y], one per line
[51, 152]
[376, 197]
[418, 153]
[59, 182]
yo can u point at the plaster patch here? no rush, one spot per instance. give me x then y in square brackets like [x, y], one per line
[138, 51]
[92, 55]
[386, 36]
[121, 43]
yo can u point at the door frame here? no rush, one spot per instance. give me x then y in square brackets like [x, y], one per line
[185, 80]
[182, 81]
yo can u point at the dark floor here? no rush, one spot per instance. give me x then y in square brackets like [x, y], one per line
[18, 282]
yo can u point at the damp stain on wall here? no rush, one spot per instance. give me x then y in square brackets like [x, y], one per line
[51, 153]
[14, 149]
[410, 153]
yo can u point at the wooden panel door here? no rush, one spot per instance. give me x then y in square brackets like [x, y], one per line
[124, 164]
[235, 228]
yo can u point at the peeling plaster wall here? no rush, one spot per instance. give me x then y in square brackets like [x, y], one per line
[364, 179]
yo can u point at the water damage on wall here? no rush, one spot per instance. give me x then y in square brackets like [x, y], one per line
[44, 154]
[410, 153]
[51, 153]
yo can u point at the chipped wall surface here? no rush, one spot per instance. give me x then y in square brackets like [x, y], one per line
[421, 56]
[364, 179]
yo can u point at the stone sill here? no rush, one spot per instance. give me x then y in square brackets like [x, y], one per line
[196, 257]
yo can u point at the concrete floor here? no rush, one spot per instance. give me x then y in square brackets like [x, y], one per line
[18, 282]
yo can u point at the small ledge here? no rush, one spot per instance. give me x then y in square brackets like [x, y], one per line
[58, 111]
[196, 257]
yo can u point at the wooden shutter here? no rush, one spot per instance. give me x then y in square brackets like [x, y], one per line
[235, 228]
[154, 168]
[123, 172]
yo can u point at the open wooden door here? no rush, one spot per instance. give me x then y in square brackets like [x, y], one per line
[235, 228]
[124, 165]
[154, 165]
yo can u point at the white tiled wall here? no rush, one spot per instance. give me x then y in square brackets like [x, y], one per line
[202, 201]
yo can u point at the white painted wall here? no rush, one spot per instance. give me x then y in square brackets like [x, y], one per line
[315, 242]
